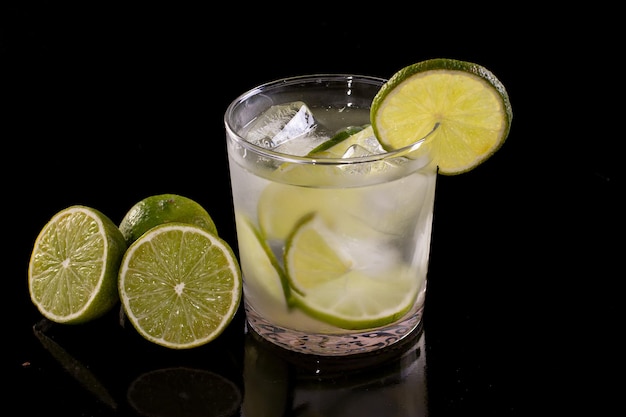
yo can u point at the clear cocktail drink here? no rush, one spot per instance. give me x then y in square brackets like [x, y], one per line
[333, 232]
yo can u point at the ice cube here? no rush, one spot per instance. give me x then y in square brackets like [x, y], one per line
[280, 124]
[356, 151]
[303, 144]
[372, 145]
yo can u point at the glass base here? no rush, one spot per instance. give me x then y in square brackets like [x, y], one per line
[333, 344]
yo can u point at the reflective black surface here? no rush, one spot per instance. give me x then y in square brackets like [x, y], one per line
[105, 104]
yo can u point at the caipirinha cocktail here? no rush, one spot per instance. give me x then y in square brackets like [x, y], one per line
[334, 214]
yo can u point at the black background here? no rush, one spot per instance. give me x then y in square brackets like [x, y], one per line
[107, 103]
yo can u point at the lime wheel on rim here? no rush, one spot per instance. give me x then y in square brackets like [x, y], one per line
[466, 101]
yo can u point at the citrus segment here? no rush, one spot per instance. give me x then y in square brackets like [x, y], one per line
[72, 273]
[259, 265]
[468, 103]
[180, 285]
[163, 208]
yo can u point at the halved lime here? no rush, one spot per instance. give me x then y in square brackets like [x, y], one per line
[180, 285]
[262, 272]
[72, 273]
[350, 284]
[163, 208]
[468, 103]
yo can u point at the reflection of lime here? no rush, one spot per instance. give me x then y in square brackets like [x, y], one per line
[176, 392]
[72, 274]
[180, 285]
[74, 367]
[334, 283]
[163, 208]
[468, 103]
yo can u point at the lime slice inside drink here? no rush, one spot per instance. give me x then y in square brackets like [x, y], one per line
[264, 275]
[353, 285]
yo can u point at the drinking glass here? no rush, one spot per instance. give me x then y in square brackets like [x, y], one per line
[333, 235]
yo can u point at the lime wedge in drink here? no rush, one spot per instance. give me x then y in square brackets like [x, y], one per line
[258, 263]
[72, 273]
[310, 259]
[353, 136]
[180, 285]
[282, 206]
[466, 101]
[320, 266]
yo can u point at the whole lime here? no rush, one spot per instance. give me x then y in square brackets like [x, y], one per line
[163, 208]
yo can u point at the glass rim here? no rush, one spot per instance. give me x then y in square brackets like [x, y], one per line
[284, 157]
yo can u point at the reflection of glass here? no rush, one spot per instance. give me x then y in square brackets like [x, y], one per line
[290, 385]
[347, 234]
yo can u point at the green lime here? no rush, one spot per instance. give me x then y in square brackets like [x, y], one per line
[347, 283]
[163, 208]
[72, 273]
[180, 285]
[466, 101]
[264, 275]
